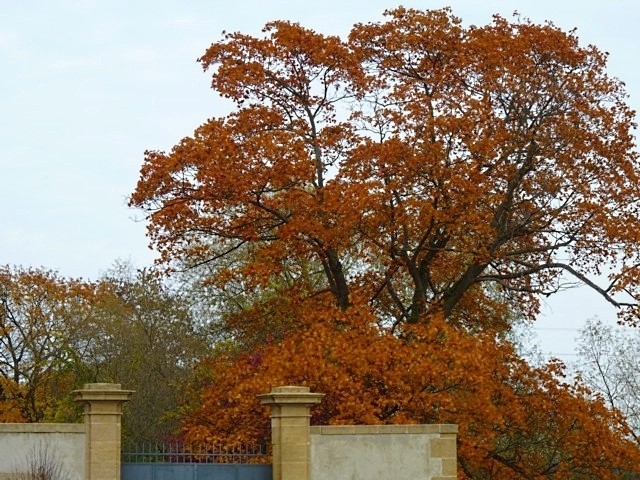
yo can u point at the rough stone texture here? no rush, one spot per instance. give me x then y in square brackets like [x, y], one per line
[86, 452]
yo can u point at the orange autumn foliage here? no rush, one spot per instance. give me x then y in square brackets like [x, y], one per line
[438, 157]
[44, 321]
[10, 405]
[385, 205]
[514, 421]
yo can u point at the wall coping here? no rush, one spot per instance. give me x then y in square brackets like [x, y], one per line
[42, 428]
[384, 429]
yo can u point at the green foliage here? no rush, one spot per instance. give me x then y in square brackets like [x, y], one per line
[147, 339]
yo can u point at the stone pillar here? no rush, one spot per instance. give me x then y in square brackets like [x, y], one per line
[290, 436]
[102, 420]
[444, 449]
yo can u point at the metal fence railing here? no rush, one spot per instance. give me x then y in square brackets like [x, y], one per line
[185, 453]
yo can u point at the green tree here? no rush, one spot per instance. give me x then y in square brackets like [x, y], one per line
[147, 339]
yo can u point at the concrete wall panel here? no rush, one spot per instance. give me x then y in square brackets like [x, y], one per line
[62, 442]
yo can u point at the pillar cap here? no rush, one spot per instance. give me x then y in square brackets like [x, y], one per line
[102, 391]
[290, 395]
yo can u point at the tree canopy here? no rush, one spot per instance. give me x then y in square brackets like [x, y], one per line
[436, 158]
[130, 327]
[44, 320]
[386, 204]
[145, 337]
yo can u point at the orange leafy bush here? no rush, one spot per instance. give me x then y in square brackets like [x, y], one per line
[10, 411]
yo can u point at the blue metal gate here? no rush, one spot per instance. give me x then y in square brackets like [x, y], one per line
[179, 462]
[194, 471]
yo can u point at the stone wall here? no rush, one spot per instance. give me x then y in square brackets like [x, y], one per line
[384, 452]
[63, 443]
[89, 451]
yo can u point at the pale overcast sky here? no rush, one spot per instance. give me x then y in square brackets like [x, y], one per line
[87, 85]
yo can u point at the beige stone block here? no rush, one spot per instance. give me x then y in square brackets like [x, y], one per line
[276, 471]
[290, 389]
[366, 429]
[443, 447]
[449, 466]
[290, 395]
[448, 428]
[295, 434]
[42, 428]
[391, 429]
[337, 430]
[103, 410]
[294, 453]
[294, 422]
[103, 431]
[285, 414]
[105, 471]
[419, 429]
[275, 411]
[106, 450]
[107, 408]
[295, 471]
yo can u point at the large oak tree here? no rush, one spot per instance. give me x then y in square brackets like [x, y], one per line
[418, 175]
[440, 157]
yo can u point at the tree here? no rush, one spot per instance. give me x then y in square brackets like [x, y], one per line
[130, 327]
[442, 158]
[440, 178]
[515, 421]
[608, 364]
[240, 314]
[43, 322]
[41, 462]
[146, 338]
